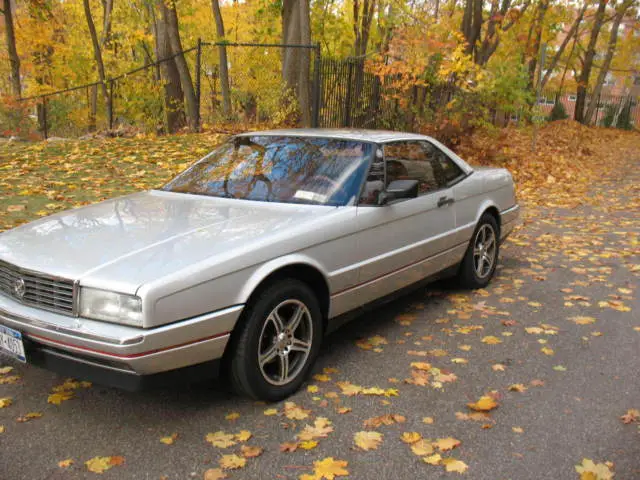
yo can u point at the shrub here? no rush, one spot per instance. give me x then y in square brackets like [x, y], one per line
[558, 112]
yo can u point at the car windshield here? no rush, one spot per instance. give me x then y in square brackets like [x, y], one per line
[288, 169]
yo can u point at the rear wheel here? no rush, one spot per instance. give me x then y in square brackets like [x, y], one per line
[278, 343]
[480, 260]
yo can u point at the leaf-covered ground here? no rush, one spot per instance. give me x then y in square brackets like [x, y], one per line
[534, 377]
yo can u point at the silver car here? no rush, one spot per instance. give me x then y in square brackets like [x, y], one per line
[248, 258]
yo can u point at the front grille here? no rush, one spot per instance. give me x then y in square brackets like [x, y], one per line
[37, 289]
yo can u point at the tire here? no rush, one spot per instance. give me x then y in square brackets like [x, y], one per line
[470, 274]
[266, 342]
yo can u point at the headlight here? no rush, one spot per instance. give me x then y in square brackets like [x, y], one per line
[111, 307]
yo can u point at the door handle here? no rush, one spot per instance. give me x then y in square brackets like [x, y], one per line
[444, 201]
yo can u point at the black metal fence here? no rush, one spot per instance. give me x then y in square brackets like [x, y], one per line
[343, 93]
[136, 98]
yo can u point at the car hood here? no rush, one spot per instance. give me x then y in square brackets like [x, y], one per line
[130, 240]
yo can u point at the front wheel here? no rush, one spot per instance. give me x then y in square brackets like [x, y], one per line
[278, 343]
[480, 260]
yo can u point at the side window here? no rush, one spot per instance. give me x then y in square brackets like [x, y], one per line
[374, 184]
[410, 161]
[447, 170]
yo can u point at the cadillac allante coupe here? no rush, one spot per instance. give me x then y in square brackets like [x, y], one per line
[244, 261]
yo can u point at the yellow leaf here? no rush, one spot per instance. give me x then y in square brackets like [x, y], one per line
[320, 429]
[421, 366]
[170, 439]
[343, 410]
[295, 412]
[427, 420]
[5, 402]
[59, 397]
[214, 474]
[102, 464]
[243, 436]
[589, 470]
[410, 437]
[453, 465]
[446, 444]
[65, 463]
[321, 377]
[232, 416]
[1, 428]
[581, 320]
[433, 459]
[498, 367]
[517, 387]
[367, 440]
[29, 416]
[232, 462]
[422, 447]
[491, 340]
[330, 468]
[270, 411]
[547, 350]
[5, 370]
[307, 444]
[517, 429]
[221, 439]
[484, 404]
[312, 389]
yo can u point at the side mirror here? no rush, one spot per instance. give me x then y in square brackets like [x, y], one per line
[398, 189]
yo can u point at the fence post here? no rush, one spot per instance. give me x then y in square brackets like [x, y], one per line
[110, 106]
[198, 73]
[347, 101]
[317, 88]
[45, 130]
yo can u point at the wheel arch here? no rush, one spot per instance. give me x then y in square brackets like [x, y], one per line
[488, 207]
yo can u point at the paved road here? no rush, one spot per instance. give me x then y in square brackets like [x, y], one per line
[561, 264]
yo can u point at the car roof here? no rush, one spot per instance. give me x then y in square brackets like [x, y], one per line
[377, 136]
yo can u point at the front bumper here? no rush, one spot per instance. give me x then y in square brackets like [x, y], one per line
[118, 348]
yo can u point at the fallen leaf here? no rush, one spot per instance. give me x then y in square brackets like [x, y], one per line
[433, 459]
[232, 462]
[589, 470]
[308, 444]
[289, 446]
[5, 402]
[295, 412]
[232, 416]
[102, 464]
[517, 429]
[221, 439]
[28, 416]
[454, 465]
[581, 320]
[446, 444]
[491, 340]
[270, 411]
[410, 437]
[547, 350]
[320, 429]
[243, 436]
[427, 420]
[5, 370]
[59, 397]
[367, 440]
[422, 447]
[170, 439]
[632, 415]
[517, 387]
[330, 468]
[65, 463]
[215, 474]
[484, 404]
[250, 452]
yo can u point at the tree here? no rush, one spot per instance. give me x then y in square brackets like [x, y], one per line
[587, 64]
[14, 59]
[295, 61]
[223, 64]
[362, 18]
[502, 16]
[543, 6]
[170, 19]
[604, 68]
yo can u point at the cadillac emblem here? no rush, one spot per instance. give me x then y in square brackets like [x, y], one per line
[19, 287]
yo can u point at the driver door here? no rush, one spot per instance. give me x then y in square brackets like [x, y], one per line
[403, 242]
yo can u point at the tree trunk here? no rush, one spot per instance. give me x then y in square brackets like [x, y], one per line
[535, 51]
[222, 54]
[14, 59]
[170, 17]
[97, 55]
[583, 80]
[570, 34]
[173, 95]
[611, 48]
[295, 61]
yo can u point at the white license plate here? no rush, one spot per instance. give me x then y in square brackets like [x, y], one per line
[11, 343]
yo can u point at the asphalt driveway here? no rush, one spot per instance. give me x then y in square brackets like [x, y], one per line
[554, 342]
